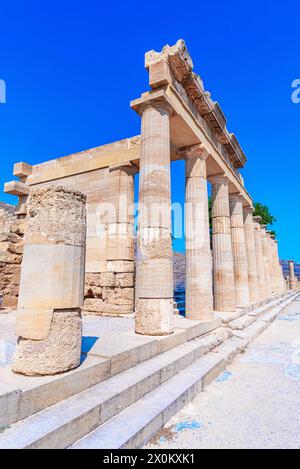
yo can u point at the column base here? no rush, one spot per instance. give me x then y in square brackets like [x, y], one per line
[58, 353]
[154, 316]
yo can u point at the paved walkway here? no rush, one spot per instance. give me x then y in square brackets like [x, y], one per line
[255, 403]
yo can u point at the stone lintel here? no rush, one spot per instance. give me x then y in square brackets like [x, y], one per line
[16, 188]
[22, 169]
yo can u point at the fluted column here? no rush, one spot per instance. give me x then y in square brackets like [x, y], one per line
[259, 257]
[293, 280]
[254, 294]
[271, 264]
[268, 289]
[223, 274]
[278, 270]
[240, 261]
[199, 296]
[281, 280]
[154, 263]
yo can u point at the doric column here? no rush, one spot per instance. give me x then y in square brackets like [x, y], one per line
[278, 269]
[293, 280]
[268, 289]
[240, 261]
[259, 257]
[223, 274]
[52, 283]
[251, 255]
[154, 263]
[199, 296]
[272, 267]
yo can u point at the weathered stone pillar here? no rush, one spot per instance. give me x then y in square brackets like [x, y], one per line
[223, 274]
[154, 261]
[254, 293]
[259, 258]
[276, 266]
[281, 281]
[293, 280]
[271, 263]
[199, 296]
[268, 289]
[52, 283]
[240, 261]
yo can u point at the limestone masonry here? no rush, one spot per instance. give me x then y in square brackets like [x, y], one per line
[73, 226]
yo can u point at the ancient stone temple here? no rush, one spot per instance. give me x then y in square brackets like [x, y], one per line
[87, 278]
[179, 120]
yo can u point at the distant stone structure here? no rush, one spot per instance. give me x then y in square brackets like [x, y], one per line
[179, 120]
[52, 283]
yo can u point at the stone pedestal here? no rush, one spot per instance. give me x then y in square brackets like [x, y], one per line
[254, 294]
[199, 296]
[154, 261]
[223, 274]
[52, 283]
[240, 261]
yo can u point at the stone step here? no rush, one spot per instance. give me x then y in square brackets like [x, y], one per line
[150, 413]
[61, 424]
[22, 396]
[135, 425]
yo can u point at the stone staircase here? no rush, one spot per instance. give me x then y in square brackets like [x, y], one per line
[121, 400]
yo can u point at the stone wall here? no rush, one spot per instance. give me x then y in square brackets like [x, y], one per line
[7, 216]
[11, 252]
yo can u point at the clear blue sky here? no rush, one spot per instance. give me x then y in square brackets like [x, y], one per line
[71, 69]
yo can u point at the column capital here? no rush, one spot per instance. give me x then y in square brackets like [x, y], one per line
[218, 179]
[129, 168]
[248, 209]
[257, 219]
[158, 104]
[235, 197]
[194, 151]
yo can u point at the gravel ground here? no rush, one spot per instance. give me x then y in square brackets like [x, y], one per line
[254, 403]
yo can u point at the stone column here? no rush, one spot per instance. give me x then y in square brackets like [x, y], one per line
[52, 283]
[277, 267]
[293, 280]
[223, 274]
[254, 293]
[154, 260]
[259, 257]
[271, 263]
[199, 296]
[268, 289]
[240, 261]
[281, 280]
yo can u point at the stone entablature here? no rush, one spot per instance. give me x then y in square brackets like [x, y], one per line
[174, 66]
[179, 121]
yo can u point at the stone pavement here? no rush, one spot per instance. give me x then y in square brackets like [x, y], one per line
[254, 403]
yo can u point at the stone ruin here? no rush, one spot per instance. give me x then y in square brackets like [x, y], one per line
[179, 120]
